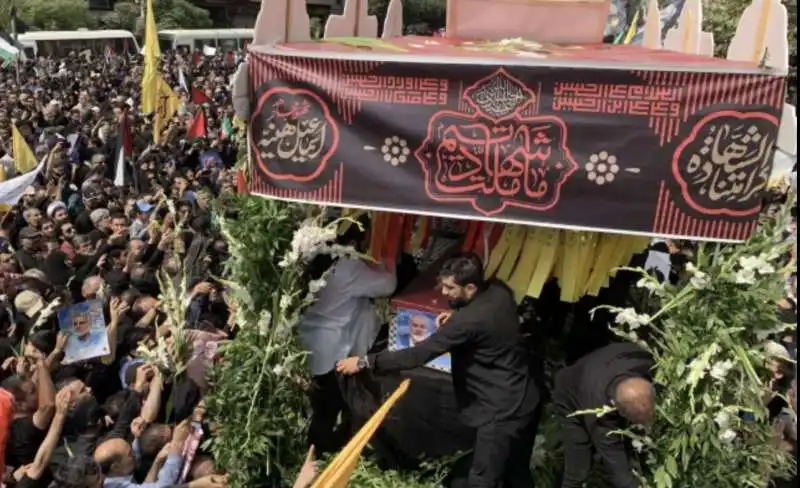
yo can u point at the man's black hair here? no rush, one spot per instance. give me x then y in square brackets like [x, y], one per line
[465, 269]
[14, 385]
[73, 474]
[43, 340]
[152, 440]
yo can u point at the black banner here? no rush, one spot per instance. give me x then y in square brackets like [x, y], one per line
[660, 153]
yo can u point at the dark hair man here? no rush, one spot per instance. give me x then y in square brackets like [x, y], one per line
[490, 367]
[616, 375]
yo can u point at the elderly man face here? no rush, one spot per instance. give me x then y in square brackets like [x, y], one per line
[82, 325]
[33, 216]
[418, 326]
[92, 287]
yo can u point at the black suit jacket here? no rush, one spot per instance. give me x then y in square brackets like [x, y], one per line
[490, 364]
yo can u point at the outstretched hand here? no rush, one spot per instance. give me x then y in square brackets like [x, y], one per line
[308, 472]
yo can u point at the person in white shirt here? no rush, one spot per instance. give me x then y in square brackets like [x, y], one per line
[339, 324]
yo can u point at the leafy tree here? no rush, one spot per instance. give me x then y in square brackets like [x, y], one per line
[170, 14]
[49, 14]
[421, 16]
[722, 17]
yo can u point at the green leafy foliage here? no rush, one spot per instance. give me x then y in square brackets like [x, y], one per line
[418, 15]
[722, 17]
[707, 336]
[258, 400]
[170, 14]
[53, 14]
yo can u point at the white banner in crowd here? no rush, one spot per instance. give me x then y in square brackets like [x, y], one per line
[12, 190]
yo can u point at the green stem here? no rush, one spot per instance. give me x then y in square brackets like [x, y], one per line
[683, 296]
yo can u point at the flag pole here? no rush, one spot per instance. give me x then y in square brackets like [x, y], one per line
[15, 36]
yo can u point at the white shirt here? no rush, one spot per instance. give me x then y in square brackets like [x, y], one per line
[342, 321]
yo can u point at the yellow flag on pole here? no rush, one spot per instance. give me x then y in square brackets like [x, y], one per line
[168, 104]
[338, 472]
[152, 54]
[24, 160]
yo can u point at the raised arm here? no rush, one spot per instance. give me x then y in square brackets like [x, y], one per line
[46, 396]
[119, 308]
[45, 452]
[152, 403]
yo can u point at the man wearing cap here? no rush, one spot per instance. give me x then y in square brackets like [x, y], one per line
[30, 245]
[138, 228]
[57, 211]
[29, 303]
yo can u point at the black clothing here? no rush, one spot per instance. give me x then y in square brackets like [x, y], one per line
[27, 260]
[327, 403]
[492, 381]
[23, 443]
[490, 365]
[502, 453]
[589, 384]
[26, 482]
[83, 222]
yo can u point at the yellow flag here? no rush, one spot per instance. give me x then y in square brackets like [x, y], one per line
[152, 53]
[338, 472]
[168, 104]
[24, 160]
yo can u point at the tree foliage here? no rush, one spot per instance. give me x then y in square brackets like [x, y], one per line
[170, 14]
[418, 15]
[722, 17]
[49, 14]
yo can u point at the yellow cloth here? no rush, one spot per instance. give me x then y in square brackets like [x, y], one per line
[168, 104]
[339, 471]
[24, 160]
[152, 54]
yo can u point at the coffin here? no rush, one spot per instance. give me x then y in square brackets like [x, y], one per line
[599, 137]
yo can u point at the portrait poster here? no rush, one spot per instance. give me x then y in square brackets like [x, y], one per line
[412, 327]
[85, 325]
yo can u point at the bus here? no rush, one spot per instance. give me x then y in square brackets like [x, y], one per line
[58, 43]
[190, 39]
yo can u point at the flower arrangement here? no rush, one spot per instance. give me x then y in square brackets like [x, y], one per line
[707, 335]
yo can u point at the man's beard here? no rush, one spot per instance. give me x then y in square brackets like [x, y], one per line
[458, 303]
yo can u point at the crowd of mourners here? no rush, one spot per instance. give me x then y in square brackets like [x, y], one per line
[75, 236]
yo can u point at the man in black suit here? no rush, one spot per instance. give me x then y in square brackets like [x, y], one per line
[616, 375]
[495, 391]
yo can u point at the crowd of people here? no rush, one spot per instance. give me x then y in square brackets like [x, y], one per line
[76, 240]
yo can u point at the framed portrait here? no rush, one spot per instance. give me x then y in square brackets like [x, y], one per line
[85, 325]
[411, 327]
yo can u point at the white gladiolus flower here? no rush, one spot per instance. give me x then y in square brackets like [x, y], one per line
[727, 436]
[315, 286]
[629, 317]
[648, 284]
[699, 280]
[285, 303]
[307, 242]
[637, 445]
[278, 370]
[265, 320]
[720, 369]
[759, 264]
[723, 420]
[745, 276]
